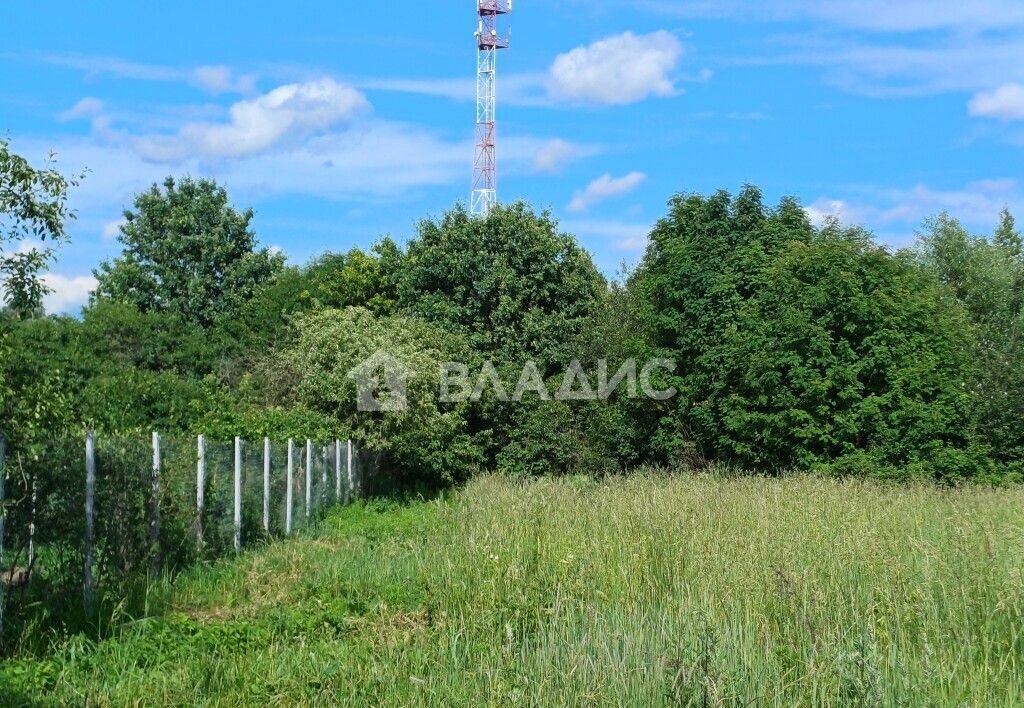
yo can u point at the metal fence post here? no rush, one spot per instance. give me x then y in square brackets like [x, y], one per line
[337, 471]
[200, 489]
[309, 477]
[238, 494]
[290, 491]
[32, 523]
[323, 496]
[351, 477]
[266, 484]
[154, 508]
[90, 522]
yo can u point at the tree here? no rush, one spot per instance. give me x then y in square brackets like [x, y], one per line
[187, 251]
[33, 216]
[515, 285]
[1007, 236]
[803, 348]
[987, 277]
[335, 280]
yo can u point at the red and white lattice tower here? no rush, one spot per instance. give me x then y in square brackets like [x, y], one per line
[490, 39]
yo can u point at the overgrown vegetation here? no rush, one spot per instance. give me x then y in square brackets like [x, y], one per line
[635, 591]
[796, 347]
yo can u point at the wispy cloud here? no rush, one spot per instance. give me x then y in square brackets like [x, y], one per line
[977, 204]
[1004, 103]
[86, 108]
[213, 79]
[877, 48]
[605, 187]
[868, 15]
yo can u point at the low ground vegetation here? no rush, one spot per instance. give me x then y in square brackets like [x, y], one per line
[649, 591]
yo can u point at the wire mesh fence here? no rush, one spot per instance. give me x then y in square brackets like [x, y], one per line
[83, 520]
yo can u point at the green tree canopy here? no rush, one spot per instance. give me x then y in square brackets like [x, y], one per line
[513, 283]
[987, 276]
[187, 251]
[798, 347]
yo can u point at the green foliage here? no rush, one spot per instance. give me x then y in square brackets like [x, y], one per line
[427, 440]
[987, 276]
[334, 280]
[121, 334]
[514, 285]
[44, 367]
[517, 290]
[187, 252]
[797, 347]
[33, 206]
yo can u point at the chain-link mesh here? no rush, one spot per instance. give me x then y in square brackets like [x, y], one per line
[44, 511]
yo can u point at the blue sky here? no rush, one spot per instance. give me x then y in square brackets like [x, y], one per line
[341, 122]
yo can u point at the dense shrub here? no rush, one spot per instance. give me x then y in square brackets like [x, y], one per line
[425, 441]
[799, 347]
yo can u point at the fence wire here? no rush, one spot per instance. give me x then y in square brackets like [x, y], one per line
[146, 513]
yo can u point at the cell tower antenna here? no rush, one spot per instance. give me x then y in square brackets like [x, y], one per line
[490, 39]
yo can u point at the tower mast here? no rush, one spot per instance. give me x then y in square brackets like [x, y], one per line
[489, 40]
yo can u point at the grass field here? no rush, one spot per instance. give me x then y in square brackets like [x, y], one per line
[643, 591]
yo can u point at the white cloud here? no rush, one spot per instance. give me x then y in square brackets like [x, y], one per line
[605, 187]
[86, 108]
[1005, 103]
[552, 156]
[870, 15]
[617, 70]
[619, 235]
[849, 214]
[256, 125]
[976, 204]
[112, 229]
[68, 293]
[222, 79]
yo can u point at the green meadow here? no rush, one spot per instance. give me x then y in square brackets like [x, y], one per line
[651, 590]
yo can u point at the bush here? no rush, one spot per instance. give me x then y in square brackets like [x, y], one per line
[799, 347]
[428, 441]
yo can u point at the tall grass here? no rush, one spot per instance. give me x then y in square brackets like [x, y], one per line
[642, 591]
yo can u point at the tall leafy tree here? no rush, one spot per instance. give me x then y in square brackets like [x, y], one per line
[799, 347]
[516, 285]
[33, 216]
[987, 276]
[187, 251]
